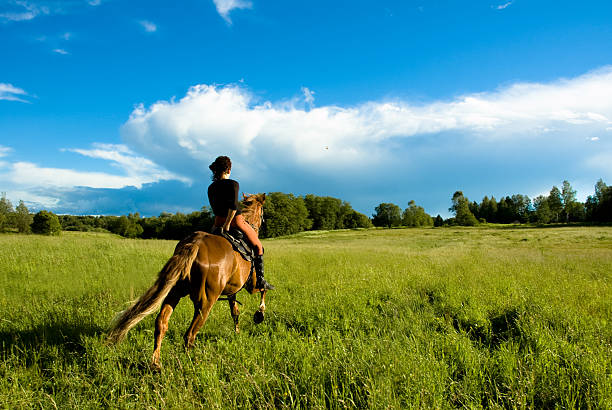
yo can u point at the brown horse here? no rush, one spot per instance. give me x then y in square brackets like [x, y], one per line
[203, 266]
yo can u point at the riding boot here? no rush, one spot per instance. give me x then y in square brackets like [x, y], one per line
[259, 271]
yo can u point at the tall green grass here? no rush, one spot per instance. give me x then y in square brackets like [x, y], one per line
[475, 317]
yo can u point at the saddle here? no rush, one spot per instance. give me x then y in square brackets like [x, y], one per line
[239, 243]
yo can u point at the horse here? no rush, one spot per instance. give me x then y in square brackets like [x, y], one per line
[205, 267]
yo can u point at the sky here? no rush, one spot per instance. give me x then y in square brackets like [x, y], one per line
[115, 106]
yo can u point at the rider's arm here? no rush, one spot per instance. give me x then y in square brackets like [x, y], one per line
[228, 220]
[231, 212]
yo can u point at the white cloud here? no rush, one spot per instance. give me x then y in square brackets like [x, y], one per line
[46, 187]
[142, 169]
[308, 96]
[4, 151]
[25, 10]
[183, 135]
[134, 171]
[27, 174]
[594, 138]
[60, 51]
[34, 200]
[224, 7]
[148, 26]
[503, 6]
[18, 10]
[11, 93]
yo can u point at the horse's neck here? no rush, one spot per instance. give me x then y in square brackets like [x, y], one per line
[252, 219]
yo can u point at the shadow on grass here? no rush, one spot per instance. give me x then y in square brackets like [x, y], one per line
[64, 333]
[489, 333]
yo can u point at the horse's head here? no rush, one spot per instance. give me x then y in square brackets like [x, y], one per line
[252, 209]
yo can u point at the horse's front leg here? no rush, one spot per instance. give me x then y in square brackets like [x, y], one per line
[235, 312]
[258, 317]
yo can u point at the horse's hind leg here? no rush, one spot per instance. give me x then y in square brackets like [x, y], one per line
[202, 308]
[161, 324]
[235, 312]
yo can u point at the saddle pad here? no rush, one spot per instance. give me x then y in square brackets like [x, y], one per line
[236, 238]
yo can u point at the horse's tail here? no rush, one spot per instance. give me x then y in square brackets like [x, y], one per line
[178, 267]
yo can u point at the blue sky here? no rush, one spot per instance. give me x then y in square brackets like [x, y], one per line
[110, 107]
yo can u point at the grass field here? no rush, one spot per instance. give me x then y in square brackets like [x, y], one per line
[476, 317]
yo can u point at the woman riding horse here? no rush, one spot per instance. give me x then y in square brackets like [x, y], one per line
[205, 267]
[223, 198]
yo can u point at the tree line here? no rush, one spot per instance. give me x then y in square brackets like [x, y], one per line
[286, 214]
[389, 215]
[559, 206]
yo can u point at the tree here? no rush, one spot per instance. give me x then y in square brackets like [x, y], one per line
[599, 205]
[463, 215]
[46, 223]
[573, 211]
[356, 219]
[387, 215]
[284, 214]
[475, 209]
[23, 219]
[543, 215]
[438, 221]
[521, 207]
[484, 209]
[327, 212]
[576, 212]
[415, 215]
[6, 211]
[555, 203]
[505, 214]
[490, 210]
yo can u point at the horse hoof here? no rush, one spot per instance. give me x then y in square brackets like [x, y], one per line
[258, 317]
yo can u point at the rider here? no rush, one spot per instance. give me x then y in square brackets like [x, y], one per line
[223, 198]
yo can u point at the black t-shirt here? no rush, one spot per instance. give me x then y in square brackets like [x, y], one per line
[223, 196]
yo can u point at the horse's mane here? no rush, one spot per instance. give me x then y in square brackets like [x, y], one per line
[252, 208]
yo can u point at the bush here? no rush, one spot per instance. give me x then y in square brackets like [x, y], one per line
[46, 223]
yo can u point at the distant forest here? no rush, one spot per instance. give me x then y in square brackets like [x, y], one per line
[286, 214]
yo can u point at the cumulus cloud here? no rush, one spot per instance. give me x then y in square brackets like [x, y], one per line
[224, 7]
[46, 186]
[29, 174]
[148, 26]
[11, 93]
[183, 135]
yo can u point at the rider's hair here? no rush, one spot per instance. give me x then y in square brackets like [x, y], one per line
[221, 165]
